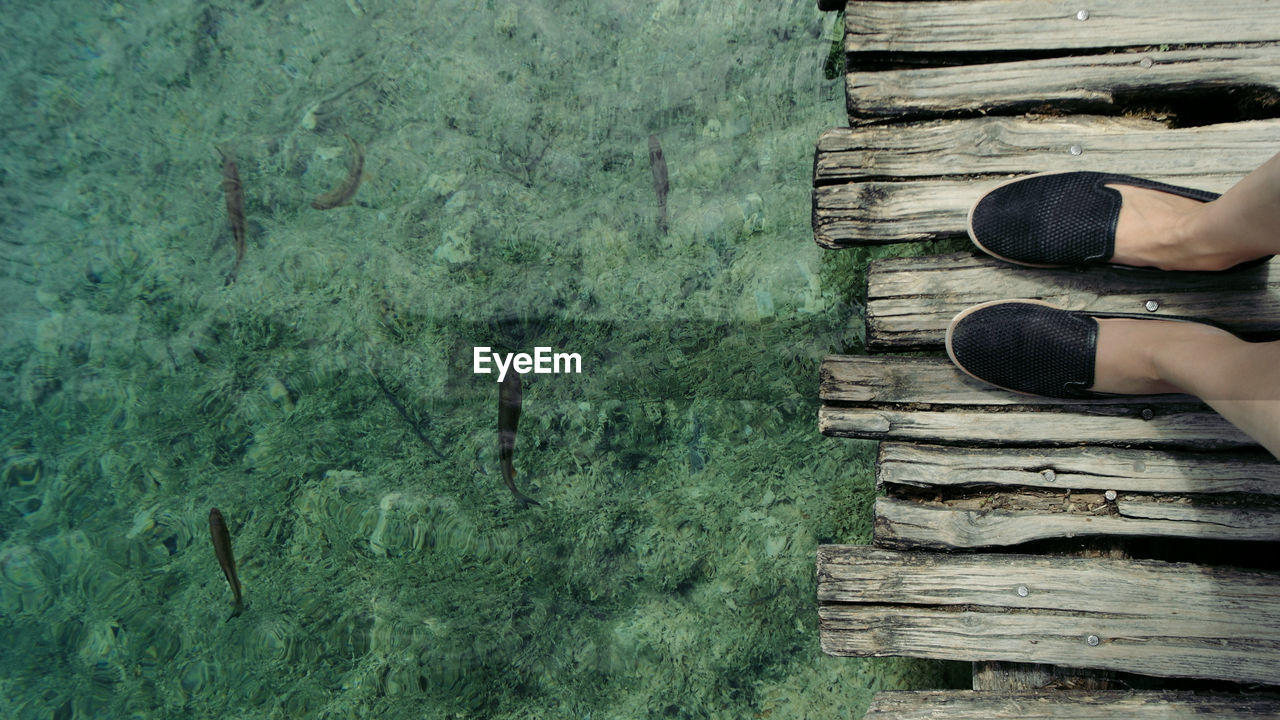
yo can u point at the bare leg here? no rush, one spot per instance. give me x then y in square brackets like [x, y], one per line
[1177, 233]
[1241, 380]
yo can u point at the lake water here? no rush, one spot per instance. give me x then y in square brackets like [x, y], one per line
[326, 401]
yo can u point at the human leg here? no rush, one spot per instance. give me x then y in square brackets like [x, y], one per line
[1177, 233]
[1239, 379]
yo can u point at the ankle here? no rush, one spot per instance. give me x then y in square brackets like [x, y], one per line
[1209, 244]
[1126, 360]
[1170, 349]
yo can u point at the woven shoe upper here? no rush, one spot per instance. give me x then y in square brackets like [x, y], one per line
[1064, 218]
[1027, 347]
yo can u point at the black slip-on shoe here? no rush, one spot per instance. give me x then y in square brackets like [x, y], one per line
[1030, 346]
[1061, 219]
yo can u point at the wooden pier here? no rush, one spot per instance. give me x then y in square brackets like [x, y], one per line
[1065, 547]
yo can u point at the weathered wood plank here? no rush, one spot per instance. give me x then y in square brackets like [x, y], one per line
[1077, 468]
[1263, 523]
[1137, 645]
[935, 383]
[910, 525]
[910, 182]
[969, 705]
[911, 301]
[1080, 83]
[1003, 146]
[1117, 587]
[1204, 430]
[1001, 25]
[1163, 619]
[930, 400]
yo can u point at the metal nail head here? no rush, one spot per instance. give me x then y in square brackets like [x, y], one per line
[1082, 15]
[1093, 640]
[1110, 495]
[1152, 305]
[1146, 63]
[1148, 413]
[1048, 475]
[1075, 149]
[1022, 591]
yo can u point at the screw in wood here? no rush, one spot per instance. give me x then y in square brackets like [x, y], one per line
[1110, 495]
[1048, 475]
[1082, 15]
[1075, 149]
[1093, 640]
[1152, 305]
[1146, 63]
[1022, 591]
[1148, 413]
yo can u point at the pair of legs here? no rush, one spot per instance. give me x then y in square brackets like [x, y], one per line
[1240, 380]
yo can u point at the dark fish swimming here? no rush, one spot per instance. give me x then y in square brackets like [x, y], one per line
[658, 164]
[222, 548]
[345, 190]
[234, 192]
[510, 398]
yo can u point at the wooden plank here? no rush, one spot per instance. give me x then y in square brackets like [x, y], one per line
[1163, 619]
[1077, 468]
[1002, 25]
[970, 705]
[911, 525]
[1264, 523]
[1137, 645]
[1098, 585]
[1005, 146]
[1204, 430]
[930, 400]
[934, 383]
[1077, 83]
[911, 301]
[911, 182]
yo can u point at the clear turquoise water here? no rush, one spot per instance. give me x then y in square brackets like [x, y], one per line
[507, 201]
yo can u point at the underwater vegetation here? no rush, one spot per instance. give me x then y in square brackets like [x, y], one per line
[324, 399]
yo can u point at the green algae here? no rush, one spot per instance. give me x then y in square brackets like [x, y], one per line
[507, 203]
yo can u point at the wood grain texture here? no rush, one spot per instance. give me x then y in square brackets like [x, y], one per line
[917, 181]
[1050, 705]
[1088, 83]
[911, 301]
[1077, 468]
[930, 400]
[995, 25]
[1187, 429]
[910, 525]
[1163, 619]
[1006, 146]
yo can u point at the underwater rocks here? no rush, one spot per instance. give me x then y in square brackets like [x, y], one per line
[28, 578]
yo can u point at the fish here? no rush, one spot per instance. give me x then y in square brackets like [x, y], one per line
[658, 164]
[346, 189]
[234, 193]
[510, 398]
[404, 413]
[222, 548]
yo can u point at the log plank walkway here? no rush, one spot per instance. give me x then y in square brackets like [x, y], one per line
[946, 99]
